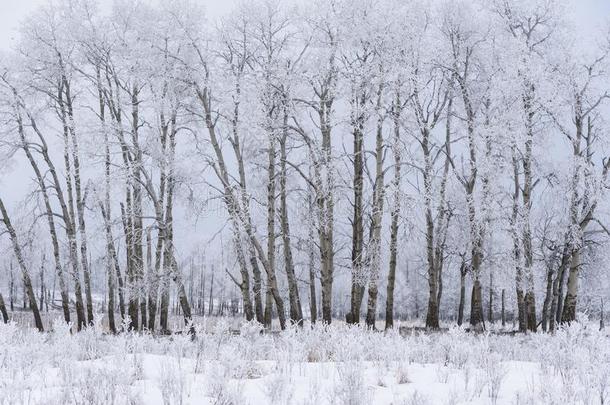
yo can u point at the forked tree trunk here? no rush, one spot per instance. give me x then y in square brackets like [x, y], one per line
[66, 216]
[240, 214]
[73, 244]
[65, 302]
[469, 181]
[80, 202]
[245, 207]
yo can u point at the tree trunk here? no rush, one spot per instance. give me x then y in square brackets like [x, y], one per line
[151, 274]
[432, 320]
[3, 310]
[530, 305]
[244, 285]
[569, 306]
[503, 309]
[313, 310]
[111, 305]
[436, 232]
[374, 251]
[155, 276]
[271, 285]
[602, 324]
[135, 214]
[358, 278]
[105, 207]
[133, 304]
[182, 296]
[554, 310]
[463, 272]
[211, 297]
[469, 182]
[476, 306]
[514, 221]
[296, 312]
[548, 296]
[110, 270]
[490, 317]
[42, 266]
[395, 215]
[389, 306]
[530, 298]
[27, 282]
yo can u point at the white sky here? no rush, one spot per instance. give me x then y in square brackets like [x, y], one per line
[13, 11]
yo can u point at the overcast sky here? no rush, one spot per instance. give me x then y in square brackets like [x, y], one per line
[589, 14]
[13, 11]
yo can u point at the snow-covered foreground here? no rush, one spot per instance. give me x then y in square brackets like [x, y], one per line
[324, 365]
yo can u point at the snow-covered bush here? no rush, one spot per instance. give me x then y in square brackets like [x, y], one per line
[336, 364]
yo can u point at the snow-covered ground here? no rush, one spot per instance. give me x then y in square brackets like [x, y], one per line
[323, 365]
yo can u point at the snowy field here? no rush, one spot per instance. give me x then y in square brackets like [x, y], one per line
[323, 365]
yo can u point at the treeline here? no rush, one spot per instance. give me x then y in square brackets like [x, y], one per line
[343, 139]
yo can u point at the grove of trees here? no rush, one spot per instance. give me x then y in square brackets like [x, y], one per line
[337, 160]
